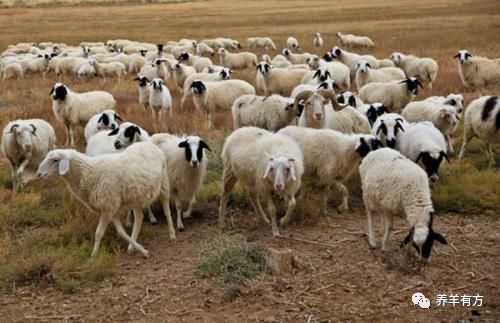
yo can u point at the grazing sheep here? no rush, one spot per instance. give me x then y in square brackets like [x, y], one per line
[113, 69]
[394, 185]
[108, 184]
[365, 74]
[210, 97]
[267, 112]
[261, 42]
[68, 65]
[456, 100]
[240, 60]
[478, 72]
[267, 164]
[187, 167]
[372, 111]
[143, 83]
[350, 40]
[25, 144]
[279, 80]
[482, 120]
[75, 109]
[292, 44]
[425, 69]
[296, 58]
[395, 95]
[318, 40]
[36, 65]
[199, 63]
[423, 143]
[331, 157]
[85, 71]
[106, 120]
[224, 74]
[388, 128]
[213, 43]
[13, 70]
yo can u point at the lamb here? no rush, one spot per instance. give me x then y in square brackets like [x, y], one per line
[292, 44]
[425, 69]
[209, 97]
[25, 144]
[393, 185]
[240, 60]
[113, 69]
[261, 42]
[295, 58]
[395, 95]
[74, 109]
[278, 80]
[478, 72]
[202, 49]
[143, 83]
[187, 167]
[155, 70]
[199, 63]
[111, 142]
[224, 74]
[482, 120]
[318, 40]
[388, 128]
[106, 120]
[267, 164]
[372, 111]
[13, 70]
[267, 112]
[347, 97]
[365, 74]
[350, 40]
[423, 143]
[181, 73]
[108, 184]
[331, 157]
[159, 98]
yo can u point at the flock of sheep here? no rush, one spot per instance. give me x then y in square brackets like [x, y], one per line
[307, 123]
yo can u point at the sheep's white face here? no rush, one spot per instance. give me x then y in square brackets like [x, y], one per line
[388, 130]
[226, 73]
[463, 56]
[24, 134]
[313, 62]
[315, 108]
[395, 58]
[347, 98]
[156, 85]
[449, 114]
[322, 74]
[264, 68]
[280, 171]
[193, 147]
[222, 52]
[363, 66]
[56, 162]
[126, 134]
[108, 120]
[285, 52]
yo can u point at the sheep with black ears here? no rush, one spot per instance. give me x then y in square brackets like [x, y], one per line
[365, 74]
[111, 69]
[240, 60]
[394, 185]
[156, 69]
[482, 120]
[210, 97]
[159, 98]
[338, 71]
[137, 61]
[347, 97]
[187, 167]
[318, 40]
[181, 73]
[143, 83]
[372, 111]
[267, 164]
[295, 58]
[108, 184]
[224, 74]
[279, 80]
[425, 69]
[199, 63]
[25, 144]
[279, 61]
[114, 141]
[478, 72]
[331, 157]
[75, 109]
[261, 42]
[326, 85]
[395, 95]
[350, 40]
[423, 143]
[106, 120]
[388, 128]
[350, 59]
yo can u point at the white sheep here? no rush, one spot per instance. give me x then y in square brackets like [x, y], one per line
[339, 72]
[204, 49]
[75, 109]
[199, 63]
[224, 74]
[424, 144]
[331, 157]
[156, 69]
[187, 167]
[137, 61]
[159, 98]
[425, 69]
[213, 43]
[295, 58]
[13, 70]
[261, 42]
[292, 44]
[229, 43]
[456, 100]
[350, 40]
[108, 184]
[267, 112]
[106, 120]
[478, 72]
[279, 80]
[181, 73]
[265, 163]
[25, 144]
[388, 128]
[365, 74]
[395, 95]
[85, 71]
[143, 83]
[350, 59]
[318, 40]
[482, 120]
[211, 97]
[112, 69]
[279, 61]
[114, 141]
[393, 185]
[240, 60]
[347, 97]
[326, 85]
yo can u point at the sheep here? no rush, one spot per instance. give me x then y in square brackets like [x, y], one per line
[331, 157]
[292, 44]
[318, 40]
[178, 50]
[213, 69]
[85, 71]
[213, 43]
[267, 112]
[317, 76]
[482, 120]
[279, 61]
[187, 167]
[228, 43]
[267, 164]
[295, 58]
[326, 85]
[68, 65]
[143, 83]
[155, 70]
[388, 128]
[278, 80]
[137, 61]
[395, 95]
[25, 144]
[478, 72]
[347, 97]
[425, 69]
[350, 59]
[108, 184]
[350, 40]
[113, 69]
[224, 74]
[181, 73]
[116, 140]
[202, 49]
[393, 185]
[365, 74]
[338, 71]
[423, 143]
[261, 42]
[106, 120]
[445, 117]
[74, 109]
[372, 111]
[209, 97]
[199, 63]
[36, 65]
[159, 98]
[13, 70]
[240, 60]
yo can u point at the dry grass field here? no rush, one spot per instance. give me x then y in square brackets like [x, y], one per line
[46, 272]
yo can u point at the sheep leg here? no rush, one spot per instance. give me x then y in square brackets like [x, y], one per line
[20, 172]
[228, 182]
[66, 128]
[468, 134]
[209, 119]
[371, 233]
[271, 209]
[138, 218]
[254, 200]
[128, 218]
[178, 207]
[291, 205]
[121, 231]
[187, 214]
[151, 216]
[387, 219]
[72, 136]
[345, 193]
[15, 179]
[99, 233]
[168, 215]
[324, 202]
[491, 156]
[449, 143]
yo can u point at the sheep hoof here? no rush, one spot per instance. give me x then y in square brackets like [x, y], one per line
[130, 249]
[145, 253]
[181, 229]
[153, 221]
[342, 209]
[186, 215]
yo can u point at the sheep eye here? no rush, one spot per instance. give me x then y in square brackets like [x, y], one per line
[288, 169]
[56, 160]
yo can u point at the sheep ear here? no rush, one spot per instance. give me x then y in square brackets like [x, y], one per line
[34, 129]
[316, 74]
[205, 145]
[183, 144]
[63, 166]
[439, 237]
[268, 169]
[457, 55]
[406, 239]
[52, 91]
[114, 132]
[117, 117]
[445, 156]
[136, 79]
[419, 157]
